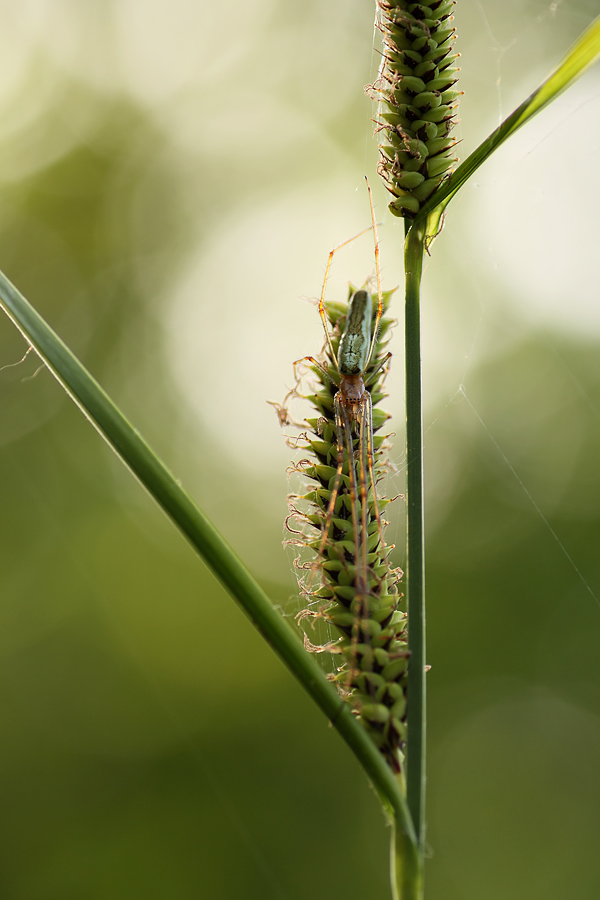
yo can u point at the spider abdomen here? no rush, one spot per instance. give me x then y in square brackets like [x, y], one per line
[355, 343]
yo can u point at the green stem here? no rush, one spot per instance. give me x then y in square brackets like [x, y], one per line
[406, 868]
[415, 557]
[152, 473]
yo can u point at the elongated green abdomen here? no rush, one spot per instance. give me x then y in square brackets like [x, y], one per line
[355, 342]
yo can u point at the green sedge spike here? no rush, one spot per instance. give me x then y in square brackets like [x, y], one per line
[416, 85]
[344, 569]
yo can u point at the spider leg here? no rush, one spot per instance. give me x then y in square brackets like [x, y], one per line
[377, 368]
[315, 364]
[322, 297]
[326, 527]
[357, 489]
[363, 472]
[371, 465]
[378, 271]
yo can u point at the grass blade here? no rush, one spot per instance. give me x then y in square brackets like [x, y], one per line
[154, 476]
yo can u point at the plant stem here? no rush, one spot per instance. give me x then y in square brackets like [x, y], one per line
[415, 557]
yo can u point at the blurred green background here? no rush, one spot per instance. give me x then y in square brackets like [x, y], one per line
[172, 177]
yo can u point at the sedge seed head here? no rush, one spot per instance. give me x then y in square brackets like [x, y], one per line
[416, 88]
[343, 566]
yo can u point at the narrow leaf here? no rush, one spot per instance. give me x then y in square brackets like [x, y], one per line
[152, 473]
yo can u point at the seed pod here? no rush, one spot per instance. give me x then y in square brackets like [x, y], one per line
[345, 574]
[416, 85]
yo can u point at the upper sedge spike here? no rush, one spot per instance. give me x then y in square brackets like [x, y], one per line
[416, 84]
